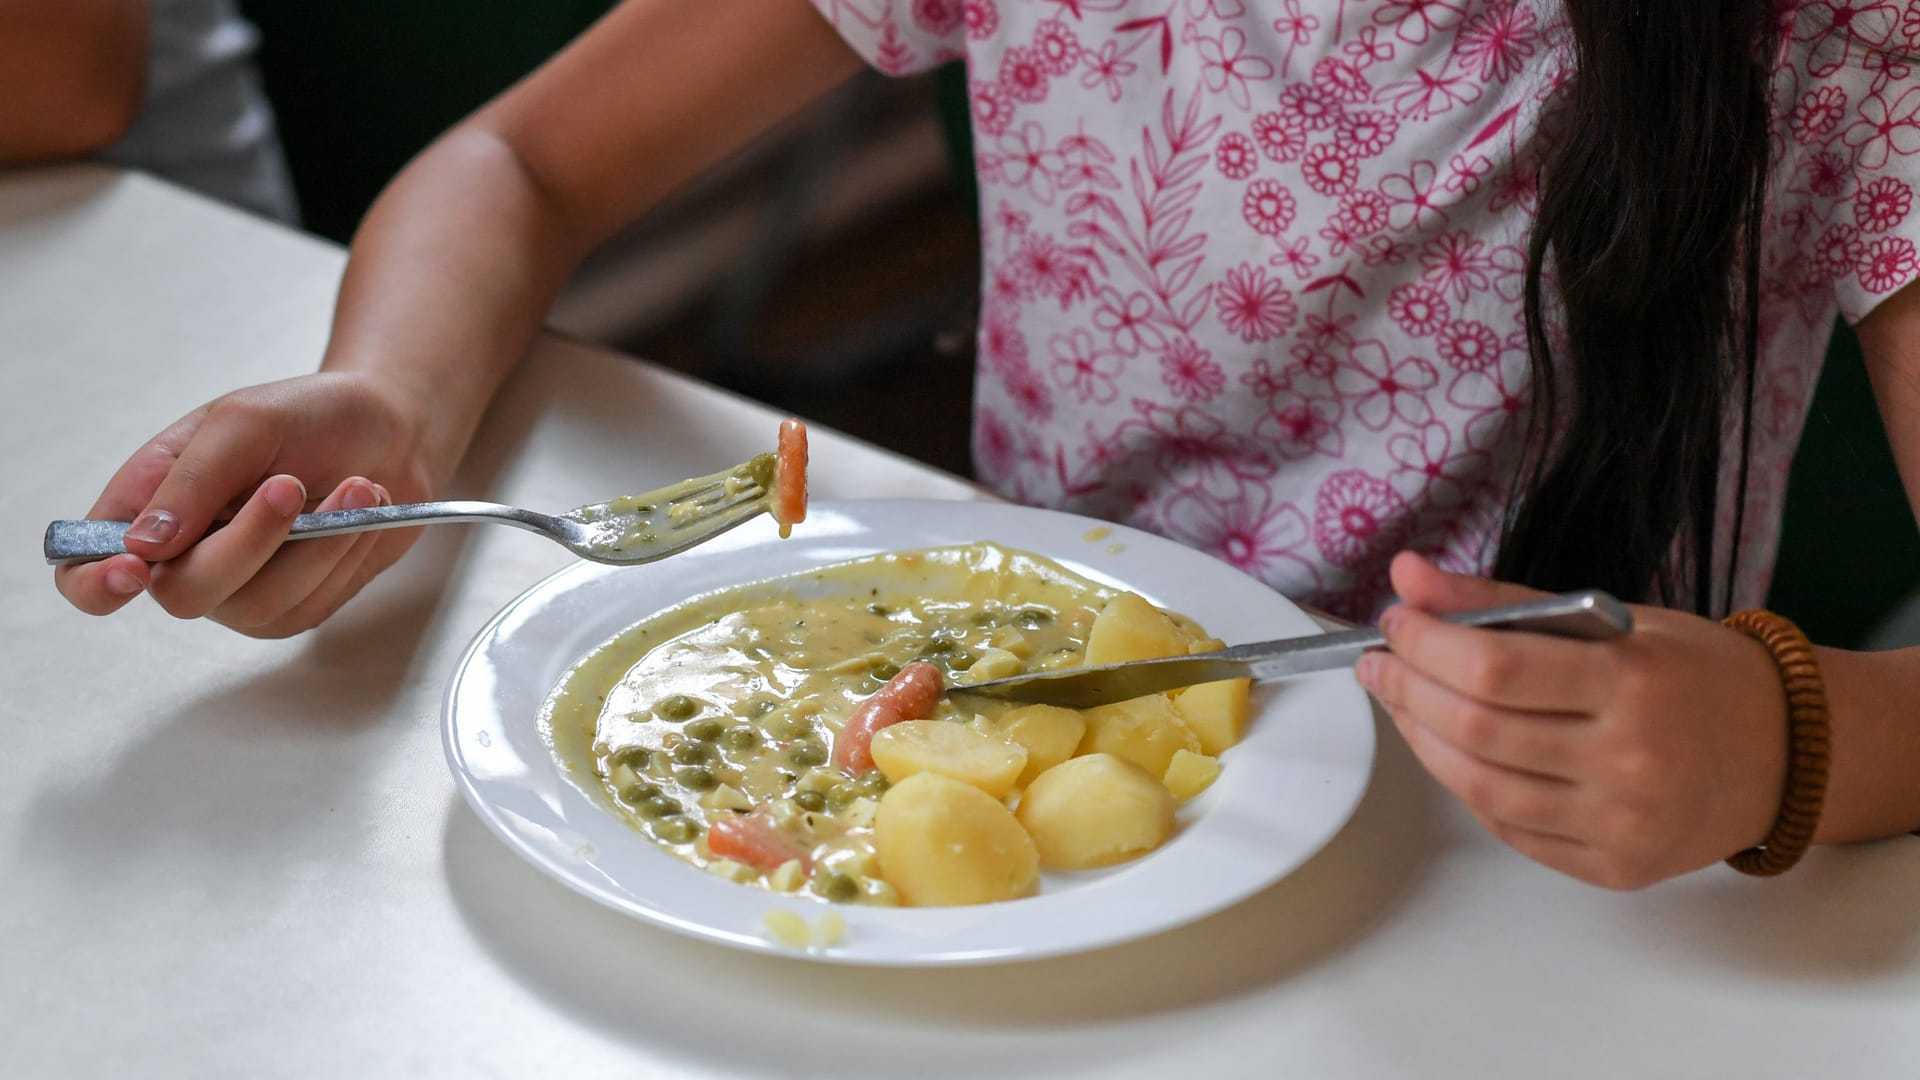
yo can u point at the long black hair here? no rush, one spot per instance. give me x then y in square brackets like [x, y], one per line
[1651, 195]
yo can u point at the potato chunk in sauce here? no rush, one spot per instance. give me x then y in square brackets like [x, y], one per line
[726, 708]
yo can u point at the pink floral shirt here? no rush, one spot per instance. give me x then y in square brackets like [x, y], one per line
[1253, 269]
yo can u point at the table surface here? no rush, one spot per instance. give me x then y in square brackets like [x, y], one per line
[225, 857]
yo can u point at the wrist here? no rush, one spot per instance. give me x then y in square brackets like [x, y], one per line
[425, 427]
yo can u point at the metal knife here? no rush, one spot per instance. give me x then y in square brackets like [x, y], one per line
[1591, 615]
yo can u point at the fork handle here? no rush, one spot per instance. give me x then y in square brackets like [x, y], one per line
[87, 540]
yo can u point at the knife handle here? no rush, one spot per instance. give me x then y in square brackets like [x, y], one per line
[1589, 615]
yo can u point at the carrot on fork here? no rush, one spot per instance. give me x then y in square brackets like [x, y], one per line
[789, 503]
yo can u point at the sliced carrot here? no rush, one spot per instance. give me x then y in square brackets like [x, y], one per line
[755, 840]
[910, 695]
[790, 476]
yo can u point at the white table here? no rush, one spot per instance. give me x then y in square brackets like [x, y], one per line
[222, 857]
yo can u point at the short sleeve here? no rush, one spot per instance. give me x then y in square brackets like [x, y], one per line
[1853, 133]
[904, 37]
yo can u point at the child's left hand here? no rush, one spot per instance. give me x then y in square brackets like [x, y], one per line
[1621, 763]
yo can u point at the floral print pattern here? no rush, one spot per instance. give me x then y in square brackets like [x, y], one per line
[1253, 271]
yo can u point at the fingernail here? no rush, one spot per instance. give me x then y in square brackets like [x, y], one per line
[1390, 620]
[286, 495]
[121, 582]
[360, 496]
[153, 527]
[385, 497]
[1367, 670]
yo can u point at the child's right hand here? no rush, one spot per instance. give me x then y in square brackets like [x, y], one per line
[254, 457]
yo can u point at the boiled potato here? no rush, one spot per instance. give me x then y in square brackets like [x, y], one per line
[1189, 774]
[1095, 811]
[954, 750]
[1215, 712]
[1129, 628]
[942, 842]
[1050, 733]
[1145, 731]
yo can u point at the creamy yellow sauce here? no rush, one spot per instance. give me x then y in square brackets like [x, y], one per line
[732, 701]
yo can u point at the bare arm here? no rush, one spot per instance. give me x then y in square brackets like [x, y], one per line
[449, 278]
[73, 73]
[463, 254]
[1874, 789]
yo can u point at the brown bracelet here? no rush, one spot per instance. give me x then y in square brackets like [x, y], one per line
[1808, 744]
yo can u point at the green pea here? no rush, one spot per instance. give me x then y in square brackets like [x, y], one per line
[633, 757]
[658, 806]
[882, 668]
[1033, 618]
[692, 753]
[635, 794]
[836, 886]
[677, 708]
[761, 706]
[740, 738]
[705, 730]
[806, 755]
[676, 830]
[696, 779]
[811, 801]
[959, 661]
[785, 726]
[939, 646]
[874, 784]
[840, 796]
[984, 617]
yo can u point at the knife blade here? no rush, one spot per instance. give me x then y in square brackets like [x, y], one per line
[1589, 615]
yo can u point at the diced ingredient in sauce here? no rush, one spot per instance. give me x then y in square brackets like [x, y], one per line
[910, 695]
[793, 735]
[755, 840]
[1189, 774]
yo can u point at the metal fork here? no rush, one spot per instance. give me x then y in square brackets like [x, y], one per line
[632, 529]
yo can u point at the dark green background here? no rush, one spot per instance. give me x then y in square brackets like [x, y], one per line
[361, 86]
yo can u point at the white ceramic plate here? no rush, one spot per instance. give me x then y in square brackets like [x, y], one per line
[1282, 794]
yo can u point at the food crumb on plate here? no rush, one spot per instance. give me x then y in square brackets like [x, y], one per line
[792, 930]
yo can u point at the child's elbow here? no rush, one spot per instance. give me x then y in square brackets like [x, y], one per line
[103, 107]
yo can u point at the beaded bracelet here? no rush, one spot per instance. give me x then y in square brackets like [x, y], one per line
[1808, 744]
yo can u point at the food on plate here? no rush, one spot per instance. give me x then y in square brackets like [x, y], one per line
[958, 751]
[1189, 774]
[910, 694]
[1131, 629]
[1144, 730]
[788, 495]
[794, 735]
[943, 842]
[791, 929]
[1048, 733]
[1096, 810]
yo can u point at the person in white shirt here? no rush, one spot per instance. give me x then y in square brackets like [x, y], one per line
[164, 86]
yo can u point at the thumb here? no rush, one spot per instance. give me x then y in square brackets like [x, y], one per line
[1422, 585]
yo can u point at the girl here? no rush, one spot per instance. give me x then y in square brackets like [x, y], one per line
[1368, 297]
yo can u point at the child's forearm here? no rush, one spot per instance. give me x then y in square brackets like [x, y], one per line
[459, 260]
[449, 278]
[1873, 787]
